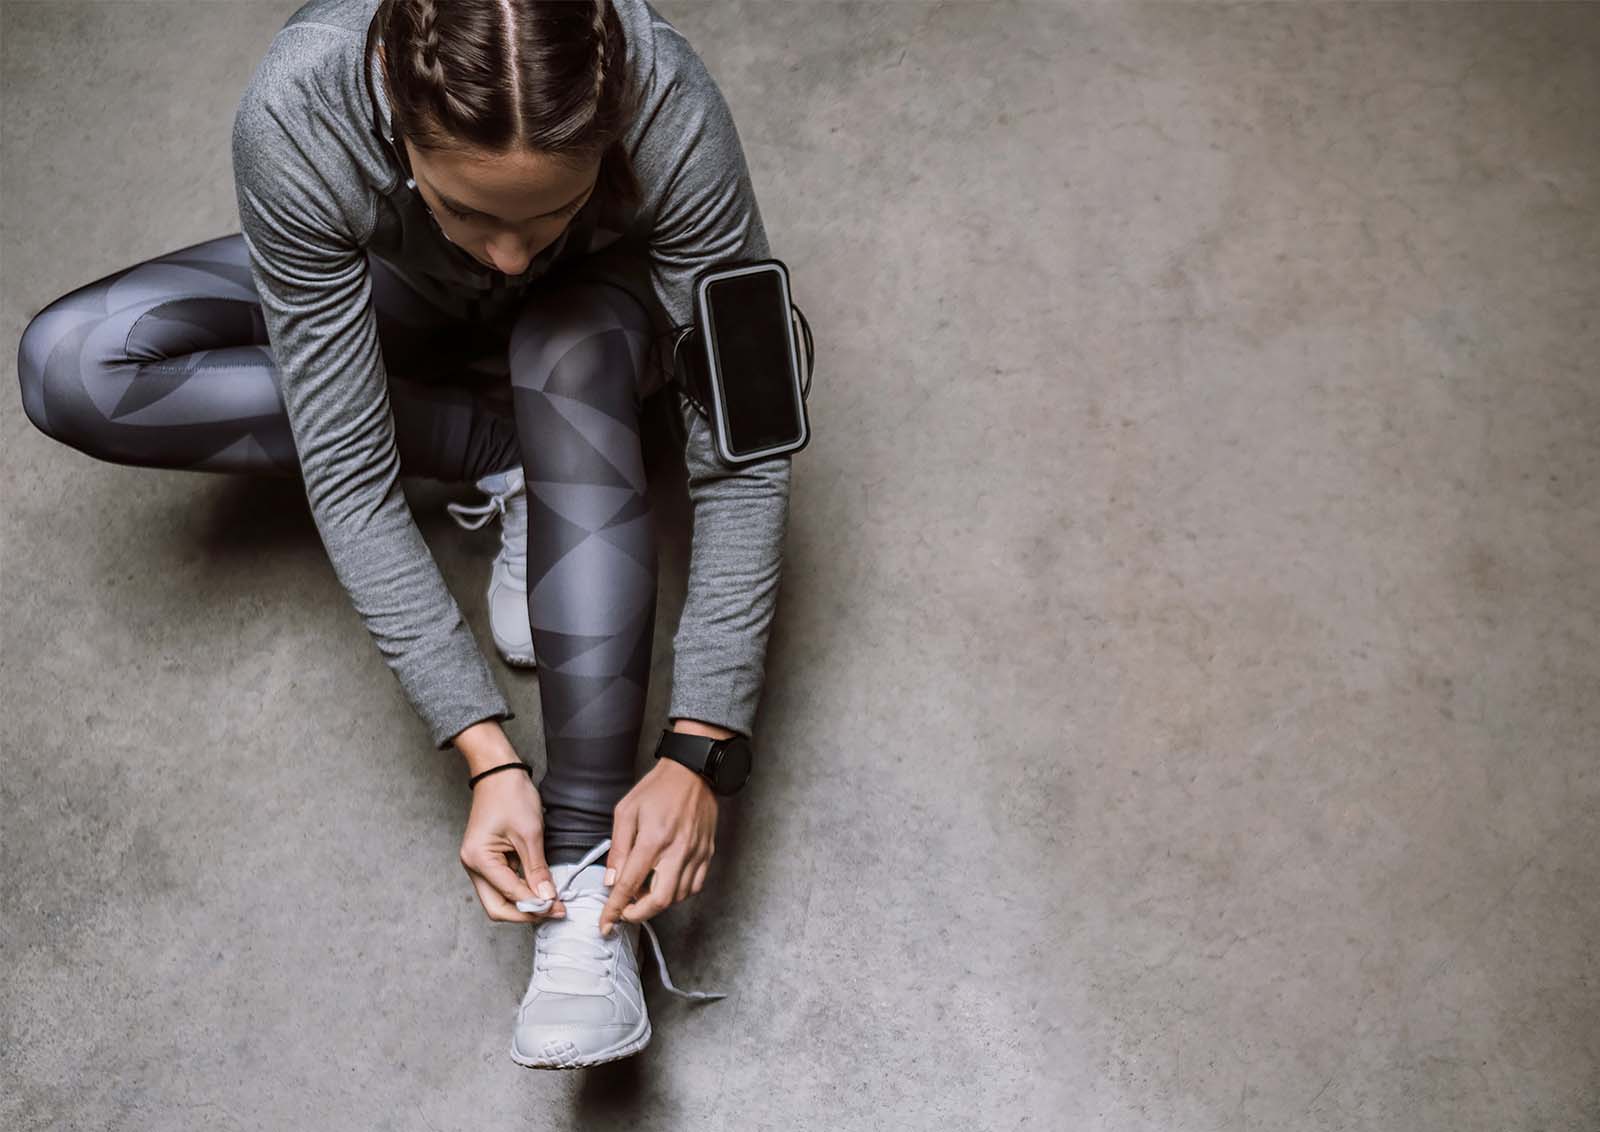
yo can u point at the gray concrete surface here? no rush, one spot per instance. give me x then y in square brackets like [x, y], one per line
[1184, 708]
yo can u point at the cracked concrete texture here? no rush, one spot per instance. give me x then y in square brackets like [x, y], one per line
[1184, 705]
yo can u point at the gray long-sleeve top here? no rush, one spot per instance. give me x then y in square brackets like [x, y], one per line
[318, 189]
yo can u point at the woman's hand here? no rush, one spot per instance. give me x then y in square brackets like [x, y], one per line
[667, 822]
[506, 824]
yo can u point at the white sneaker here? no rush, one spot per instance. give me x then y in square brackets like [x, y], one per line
[508, 577]
[584, 1004]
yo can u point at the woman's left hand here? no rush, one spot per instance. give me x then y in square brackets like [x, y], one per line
[668, 823]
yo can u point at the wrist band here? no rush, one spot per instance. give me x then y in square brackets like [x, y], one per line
[473, 781]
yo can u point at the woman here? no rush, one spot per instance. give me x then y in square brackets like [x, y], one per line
[436, 198]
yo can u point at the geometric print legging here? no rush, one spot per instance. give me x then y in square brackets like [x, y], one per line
[167, 364]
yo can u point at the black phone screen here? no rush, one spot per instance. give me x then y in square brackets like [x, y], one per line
[751, 335]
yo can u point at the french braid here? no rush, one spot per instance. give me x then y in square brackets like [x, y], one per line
[427, 43]
[600, 46]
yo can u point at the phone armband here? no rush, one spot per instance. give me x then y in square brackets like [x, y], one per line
[738, 363]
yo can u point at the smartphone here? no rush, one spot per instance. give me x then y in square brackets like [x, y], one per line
[751, 356]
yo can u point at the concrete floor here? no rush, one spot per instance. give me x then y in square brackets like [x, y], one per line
[1184, 706]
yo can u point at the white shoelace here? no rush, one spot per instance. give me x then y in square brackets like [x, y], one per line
[583, 957]
[514, 521]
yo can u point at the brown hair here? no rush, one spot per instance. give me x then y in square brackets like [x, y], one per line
[498, 75]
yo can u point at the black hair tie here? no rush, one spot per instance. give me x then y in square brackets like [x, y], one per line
[473, 781]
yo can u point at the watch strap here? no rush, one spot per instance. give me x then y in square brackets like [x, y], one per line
[693, 751]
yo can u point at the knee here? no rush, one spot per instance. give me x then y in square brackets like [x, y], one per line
[59, 362]
[580, 340]
[45, 334]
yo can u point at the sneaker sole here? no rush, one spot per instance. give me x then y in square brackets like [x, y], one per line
[629, 1046]
[511, 657]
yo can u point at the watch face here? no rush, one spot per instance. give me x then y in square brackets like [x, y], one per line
[733, 768]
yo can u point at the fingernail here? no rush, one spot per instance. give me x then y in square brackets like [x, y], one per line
[611, 876]
[547, 890]
[606, 931]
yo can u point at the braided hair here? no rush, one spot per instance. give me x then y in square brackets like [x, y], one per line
[501, 75]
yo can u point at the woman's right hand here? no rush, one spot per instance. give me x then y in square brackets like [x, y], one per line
[506, 824]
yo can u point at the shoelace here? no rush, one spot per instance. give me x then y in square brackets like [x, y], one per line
[514, 521]
[483, 511]
[601, 893]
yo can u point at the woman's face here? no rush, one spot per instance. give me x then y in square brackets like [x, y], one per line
[502, 209]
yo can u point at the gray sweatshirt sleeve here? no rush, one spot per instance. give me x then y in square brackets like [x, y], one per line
[707, 213]
[310, 271]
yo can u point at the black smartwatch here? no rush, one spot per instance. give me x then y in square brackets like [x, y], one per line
[724, 763]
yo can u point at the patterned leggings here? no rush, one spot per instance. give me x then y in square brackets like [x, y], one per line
[167, 364]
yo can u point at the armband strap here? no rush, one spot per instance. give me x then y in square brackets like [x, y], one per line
[689, 364]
